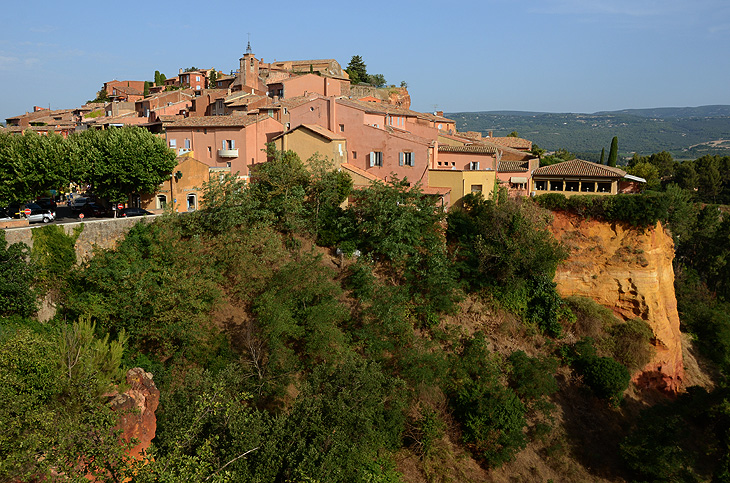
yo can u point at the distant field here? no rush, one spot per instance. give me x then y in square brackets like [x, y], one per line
[687, 133]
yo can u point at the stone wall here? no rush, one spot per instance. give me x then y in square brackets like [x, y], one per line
[103, 233]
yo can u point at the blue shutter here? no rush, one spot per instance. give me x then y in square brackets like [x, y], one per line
[372, 159]
[233, 144]
[400, 158]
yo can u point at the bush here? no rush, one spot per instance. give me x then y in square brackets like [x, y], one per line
[17, 295]
[606, 377]
[631, 341]
[491, 415]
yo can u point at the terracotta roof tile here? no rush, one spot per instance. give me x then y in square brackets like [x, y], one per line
[579, 167]
[509, 141]
[510, 166]
[472, 148]
[217, 121]
[361, 172]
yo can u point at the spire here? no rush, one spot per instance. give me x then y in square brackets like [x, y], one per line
[248, 47]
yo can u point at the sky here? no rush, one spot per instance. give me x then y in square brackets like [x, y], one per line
[579, 56]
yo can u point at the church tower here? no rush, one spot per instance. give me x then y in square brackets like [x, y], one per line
[249, 69]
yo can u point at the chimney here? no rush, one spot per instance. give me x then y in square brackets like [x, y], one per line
[440, 113]
[180, 71]
[490, 134]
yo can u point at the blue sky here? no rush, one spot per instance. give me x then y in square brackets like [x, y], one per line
[529, 55]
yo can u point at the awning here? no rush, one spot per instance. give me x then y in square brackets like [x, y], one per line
[518, 180]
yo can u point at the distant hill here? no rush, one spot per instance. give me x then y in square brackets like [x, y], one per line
[686, 132]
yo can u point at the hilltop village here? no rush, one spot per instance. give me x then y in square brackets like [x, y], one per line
[222, 123]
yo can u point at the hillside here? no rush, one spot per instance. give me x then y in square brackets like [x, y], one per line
[687, 133]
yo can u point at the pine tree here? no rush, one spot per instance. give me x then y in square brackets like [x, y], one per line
[357, 70]
[603, 156]
[613, 153]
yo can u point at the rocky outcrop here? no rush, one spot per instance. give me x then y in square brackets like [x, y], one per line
[137, 406]
[629, 271]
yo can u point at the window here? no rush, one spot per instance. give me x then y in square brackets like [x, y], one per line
[571, 185]
[540, 185]
[556, 186]
[406, 159]
[286, 111]
[474, 166]
[161, 202]
[604, 187]
[476, 188]
[342, 128]
[354, 155]
[187, 144]
[288, 125]
[376, 158]
[197, 78]
[173, 143]
[228, 164]
[210, 152]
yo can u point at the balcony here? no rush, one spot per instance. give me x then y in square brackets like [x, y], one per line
[228, 153]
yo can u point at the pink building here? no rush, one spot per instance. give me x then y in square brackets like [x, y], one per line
[300, 85]
[145, 106]
[224, 141]
[192, 80]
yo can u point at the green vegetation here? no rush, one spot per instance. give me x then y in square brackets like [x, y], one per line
[358, 72]
[115, 162]
[613, 152]
[439, 340]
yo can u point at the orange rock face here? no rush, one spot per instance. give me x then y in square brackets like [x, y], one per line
[629, 271]
[137, 407]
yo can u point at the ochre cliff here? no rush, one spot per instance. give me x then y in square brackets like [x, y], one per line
[137, 406]
[629, 271]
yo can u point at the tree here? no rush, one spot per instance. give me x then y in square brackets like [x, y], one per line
[17, 275]
[537, 151]
[357, 70]
[377, 80]
[513, 134]
[157, 78]
[146, 91]
[120, 161]
[613, 152]
[603, 156]
[31, 164]
[212, 79]
[404, 84]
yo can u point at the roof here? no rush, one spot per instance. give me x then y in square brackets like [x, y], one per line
[243, 100]
[218, 121]
[403, 135]
[580, 168]
[507, 166]
[317, 129]
[511, 142]
[472, 148]
[359, 171]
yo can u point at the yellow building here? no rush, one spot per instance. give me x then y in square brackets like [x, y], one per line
[309, 139]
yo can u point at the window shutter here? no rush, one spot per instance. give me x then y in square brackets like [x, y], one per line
[233, 144]
[223, 144]
[400, 158]
[413, 159]
[372, 158]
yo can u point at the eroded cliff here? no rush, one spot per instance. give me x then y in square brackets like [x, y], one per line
[629, 271]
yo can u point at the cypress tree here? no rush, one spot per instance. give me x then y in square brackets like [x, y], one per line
[613, 153]
[603, 156]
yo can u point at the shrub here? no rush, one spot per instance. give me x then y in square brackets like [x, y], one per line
[606, 377]
[491, 415]
[17, 296]
[631, 341]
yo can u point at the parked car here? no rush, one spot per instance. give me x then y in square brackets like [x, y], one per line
[4, 216]
[77, 203]
[37, 214]
[127, 212]
[47, 203]
[92, 209]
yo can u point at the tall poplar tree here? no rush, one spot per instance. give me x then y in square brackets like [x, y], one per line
[613, 153]
[603, 156]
